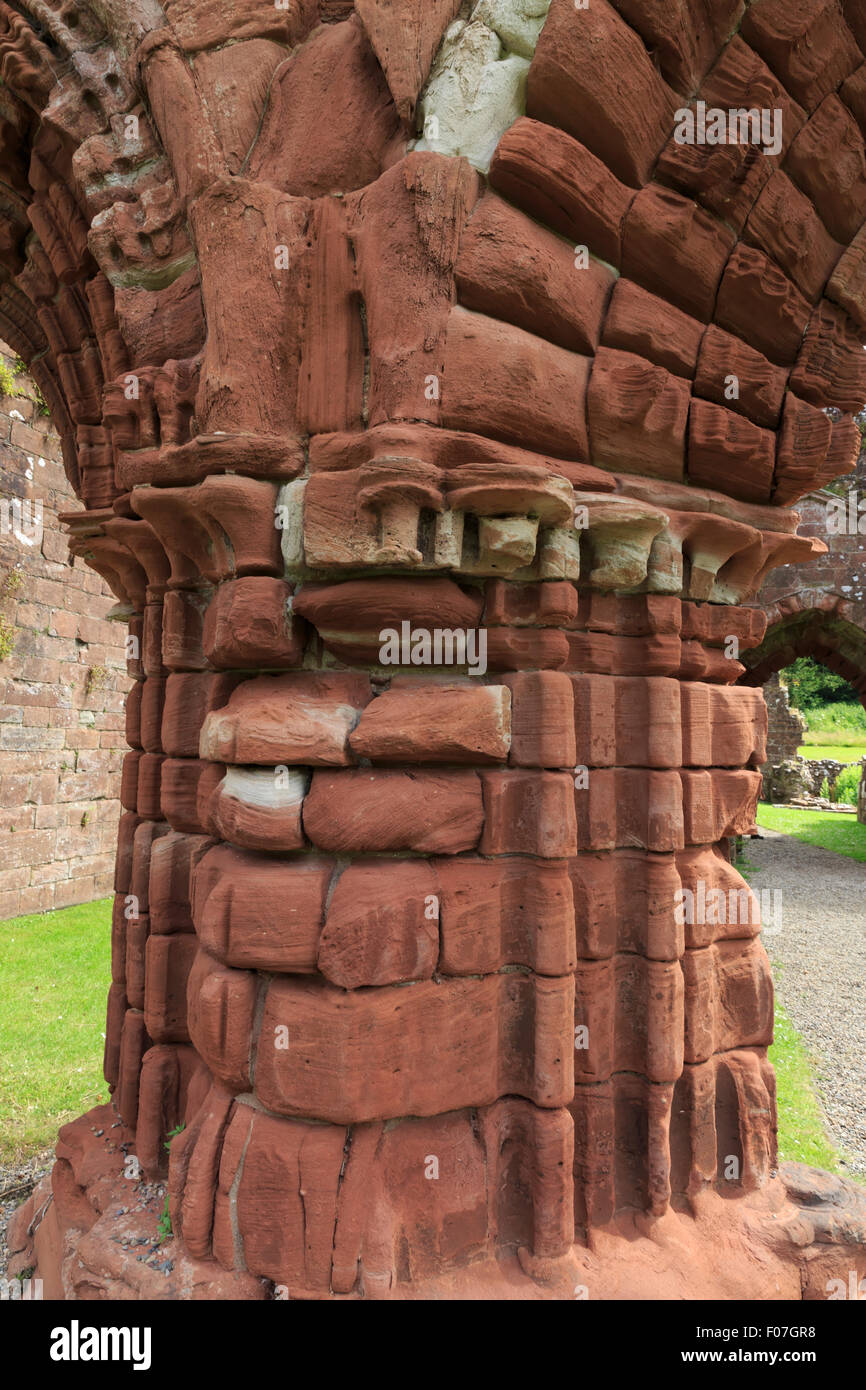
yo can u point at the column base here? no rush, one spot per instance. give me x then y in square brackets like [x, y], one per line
[94, 1234]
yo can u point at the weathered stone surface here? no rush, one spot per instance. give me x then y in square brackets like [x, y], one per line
[577, 82]
[510, 268]
[382, 926]
[416, 722]
[361, 811]
[324, 393]
[301, 717]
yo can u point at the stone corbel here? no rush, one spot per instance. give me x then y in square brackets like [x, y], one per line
[619, 536]
[222, 527]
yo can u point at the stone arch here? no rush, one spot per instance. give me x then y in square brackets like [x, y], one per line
[816, 624]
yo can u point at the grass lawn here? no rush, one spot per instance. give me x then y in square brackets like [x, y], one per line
[840, 752]
[802, 1137]
[54, 977]
[829, 829]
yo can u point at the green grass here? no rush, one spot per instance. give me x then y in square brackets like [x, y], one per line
[834, 830]
[845, 745]
[836, 718]
[802, 1137]
[54, 978]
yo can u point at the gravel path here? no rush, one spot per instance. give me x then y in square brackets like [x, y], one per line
[821, 949]
[17, 1181]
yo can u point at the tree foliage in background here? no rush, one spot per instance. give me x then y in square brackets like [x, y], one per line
[811, 685]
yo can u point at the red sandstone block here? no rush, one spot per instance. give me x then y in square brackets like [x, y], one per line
[382, 925]
[759, 303]
[145, 833]
[302, 717]
[760, 385]
[627, 721]
[151, 640]
[418, 721]
[632, 615]
[637, 416]
[723, 728]
[558, 181]
[256, 912]
[718, 803]
[514, 269]
[168, 963]
[366, 1054]
[172, 859]
[249, 623]
[553, 604]
[171, 1078]
[728, 998]
[152, 698]
[515, 911]
[628, 1117]
[576, 82]
[623, 807]
[126, 829]
[641, 323]
[137, 932]
[493, 368]
[147, 795]
[674, 249]
[725, 451]
[182, 623]
[542, 719]
[361, 811]
[118, 939]
[291, 1233]
[603, 654]
[784, 223]
[133, 715]
[115, 1014]
[188, 787]
[510, 648]
[528, 813]
[724, 1107]
[829, 370]
[628, 1014]
[189, 699]
[349, 616]
[824, 54]
[220, 1010]
[626, 902]
[714, 902]
[258, 808]
[134, 1042]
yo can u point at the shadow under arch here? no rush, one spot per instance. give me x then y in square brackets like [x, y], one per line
[818, 625]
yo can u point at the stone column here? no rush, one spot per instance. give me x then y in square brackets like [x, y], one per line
[425, 490]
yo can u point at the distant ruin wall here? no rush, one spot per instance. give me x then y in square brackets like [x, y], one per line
[62, 678]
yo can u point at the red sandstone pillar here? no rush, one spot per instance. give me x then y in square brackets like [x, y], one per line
[403, 961]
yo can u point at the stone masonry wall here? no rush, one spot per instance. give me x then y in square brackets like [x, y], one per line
[63, 683]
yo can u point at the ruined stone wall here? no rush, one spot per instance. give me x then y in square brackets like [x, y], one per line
[784, 725]
[63, 682]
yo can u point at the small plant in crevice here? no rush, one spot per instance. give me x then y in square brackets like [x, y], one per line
[11, 582]
[7, 638]
[95, 679]
[164, 1226]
